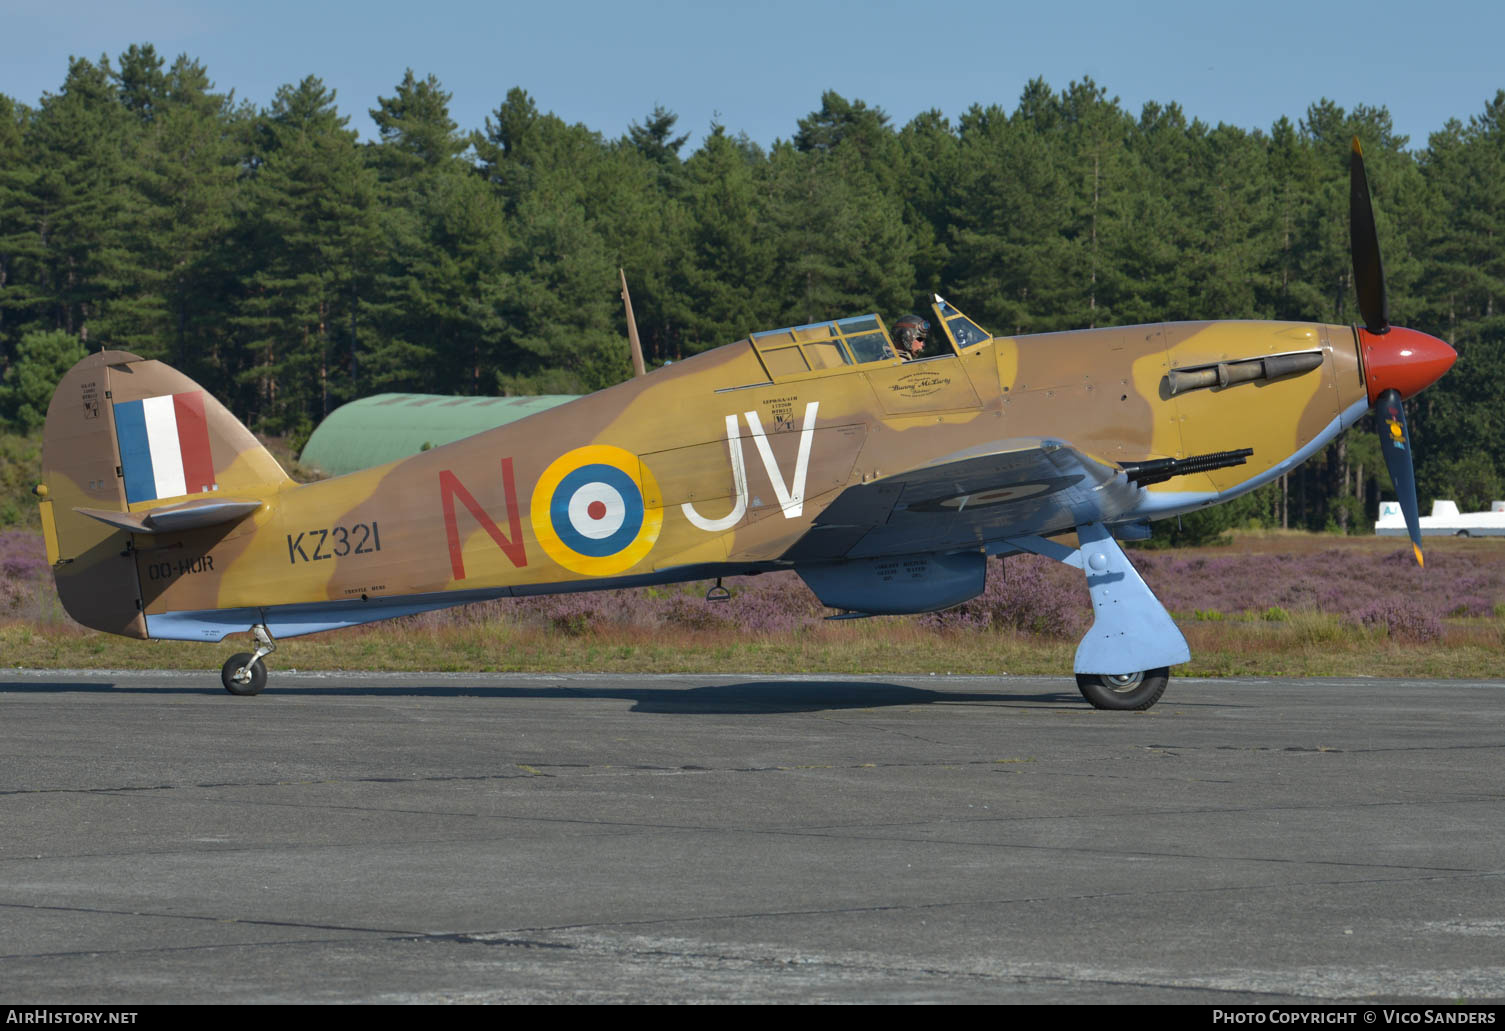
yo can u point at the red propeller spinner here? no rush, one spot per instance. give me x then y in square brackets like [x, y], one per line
[1405, 360]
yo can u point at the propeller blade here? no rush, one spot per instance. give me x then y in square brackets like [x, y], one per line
[1368, 270]
[1395, 445]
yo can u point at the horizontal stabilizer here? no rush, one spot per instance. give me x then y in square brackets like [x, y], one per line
[191, 515]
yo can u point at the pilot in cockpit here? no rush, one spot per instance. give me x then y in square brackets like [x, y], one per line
[909, 336]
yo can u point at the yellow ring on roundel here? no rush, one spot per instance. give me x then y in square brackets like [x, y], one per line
[542, 505]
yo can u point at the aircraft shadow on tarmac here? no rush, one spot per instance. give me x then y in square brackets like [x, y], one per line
[768, 696]
[805, 696]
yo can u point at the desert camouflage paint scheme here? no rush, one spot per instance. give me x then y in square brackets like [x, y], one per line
[884, 482]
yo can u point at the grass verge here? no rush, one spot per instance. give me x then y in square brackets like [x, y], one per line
[1270, 605]
[1308, 644]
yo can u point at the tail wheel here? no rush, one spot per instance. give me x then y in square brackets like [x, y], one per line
[243, 677]
[1124, 691]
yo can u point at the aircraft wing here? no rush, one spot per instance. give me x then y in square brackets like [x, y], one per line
[1006, 489]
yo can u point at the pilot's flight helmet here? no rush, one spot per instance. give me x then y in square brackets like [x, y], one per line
[911, 327]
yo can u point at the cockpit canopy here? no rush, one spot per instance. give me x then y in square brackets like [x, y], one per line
[961, 329]
[859, 340]
[824, 345]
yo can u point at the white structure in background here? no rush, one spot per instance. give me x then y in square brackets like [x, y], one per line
[1445, 521]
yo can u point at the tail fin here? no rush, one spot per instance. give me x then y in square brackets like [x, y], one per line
[125, 436]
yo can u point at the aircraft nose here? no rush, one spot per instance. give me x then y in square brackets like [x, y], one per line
[1403, 359]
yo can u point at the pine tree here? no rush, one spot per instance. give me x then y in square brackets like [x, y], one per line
[653, 138]
[842, 244]
[41, 360]
[308, 219]
[17, 243]
[1100, 174]
[927, 171]
[78, 139]
[722, 283]
[1008, 220]
[445, 247]
[182, 165]
[1465, 170]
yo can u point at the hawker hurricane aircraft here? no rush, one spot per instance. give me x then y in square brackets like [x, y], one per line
[884, 482]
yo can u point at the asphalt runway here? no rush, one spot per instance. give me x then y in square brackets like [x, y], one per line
[593, 838]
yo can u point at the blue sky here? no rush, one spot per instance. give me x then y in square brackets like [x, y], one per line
[759, 66]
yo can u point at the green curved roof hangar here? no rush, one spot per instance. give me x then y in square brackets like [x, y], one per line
[385, 427]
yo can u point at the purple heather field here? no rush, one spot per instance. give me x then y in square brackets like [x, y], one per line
[25, 581]
[1368, 587]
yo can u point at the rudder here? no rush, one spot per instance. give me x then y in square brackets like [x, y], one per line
[126, 435]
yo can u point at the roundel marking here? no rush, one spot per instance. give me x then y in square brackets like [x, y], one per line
[590, 511]
[596, 510]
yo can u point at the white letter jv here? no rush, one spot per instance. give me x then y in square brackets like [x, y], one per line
[791, 495]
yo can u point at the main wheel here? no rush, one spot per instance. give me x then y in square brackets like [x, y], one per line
[252, 684]
[1125, 690]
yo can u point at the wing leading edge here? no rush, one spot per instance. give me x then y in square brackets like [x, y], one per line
[1022, 487]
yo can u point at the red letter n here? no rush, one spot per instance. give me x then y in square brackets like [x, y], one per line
[451, 488]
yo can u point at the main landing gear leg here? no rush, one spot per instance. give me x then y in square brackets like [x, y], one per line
[1124, 661]
[246, 674]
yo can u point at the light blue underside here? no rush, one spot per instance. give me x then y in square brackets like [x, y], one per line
[1131, 631]
[314, 617]
[296, 620]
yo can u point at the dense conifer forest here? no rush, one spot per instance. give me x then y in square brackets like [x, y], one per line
[290, 267]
